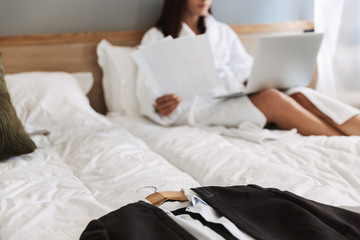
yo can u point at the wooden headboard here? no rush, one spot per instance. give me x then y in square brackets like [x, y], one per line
[76, 52]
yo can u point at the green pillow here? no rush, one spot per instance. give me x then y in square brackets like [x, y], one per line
[13, 138]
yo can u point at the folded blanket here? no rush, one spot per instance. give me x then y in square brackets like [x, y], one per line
[251, 132]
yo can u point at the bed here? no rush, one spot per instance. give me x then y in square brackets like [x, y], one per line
[95, 153]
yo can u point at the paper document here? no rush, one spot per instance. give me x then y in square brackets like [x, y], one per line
[182, 66]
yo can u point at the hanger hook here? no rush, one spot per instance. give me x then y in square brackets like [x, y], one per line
[141, 188]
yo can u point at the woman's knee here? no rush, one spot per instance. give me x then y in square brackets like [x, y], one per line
[273, 103]
[273, 95]
[306, 103]
[278, 100]
[268, 96]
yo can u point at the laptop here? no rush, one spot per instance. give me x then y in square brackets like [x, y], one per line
[282, 62]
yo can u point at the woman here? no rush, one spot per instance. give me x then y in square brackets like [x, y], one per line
[289, 110]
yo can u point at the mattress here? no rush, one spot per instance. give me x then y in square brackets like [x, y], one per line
[324, 169]
[78, 175]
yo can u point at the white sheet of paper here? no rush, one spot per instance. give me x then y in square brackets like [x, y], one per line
[168, 38]
[182, 66]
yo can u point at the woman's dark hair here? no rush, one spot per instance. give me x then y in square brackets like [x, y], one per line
[170, 21]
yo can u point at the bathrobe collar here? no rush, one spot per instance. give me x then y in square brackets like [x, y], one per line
[187, 31]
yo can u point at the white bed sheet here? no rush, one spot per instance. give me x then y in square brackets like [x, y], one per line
[75, 176]
[324, 169]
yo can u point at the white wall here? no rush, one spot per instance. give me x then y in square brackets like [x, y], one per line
[21, 17]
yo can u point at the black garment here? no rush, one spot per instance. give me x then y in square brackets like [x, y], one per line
[136, 221]
[262, 213]
[274, 214]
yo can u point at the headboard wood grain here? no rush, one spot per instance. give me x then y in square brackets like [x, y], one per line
[76, 52]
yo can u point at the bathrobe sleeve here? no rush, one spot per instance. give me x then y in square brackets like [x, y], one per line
[240, 61]
[232, 61]
[146, 94]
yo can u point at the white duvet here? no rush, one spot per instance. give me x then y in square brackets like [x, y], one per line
[324, 169]
[87, 167]
[75, 176]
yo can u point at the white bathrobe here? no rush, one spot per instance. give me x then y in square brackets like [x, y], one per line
[233, 66]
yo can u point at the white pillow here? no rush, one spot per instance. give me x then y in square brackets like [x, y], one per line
[85, 81]
[119, 78]
[48, 101]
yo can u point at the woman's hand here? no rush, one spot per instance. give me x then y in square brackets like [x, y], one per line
[167, 104]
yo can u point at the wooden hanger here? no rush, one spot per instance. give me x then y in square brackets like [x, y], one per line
[158, 198]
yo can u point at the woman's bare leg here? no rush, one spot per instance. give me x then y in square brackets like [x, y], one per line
[350, 127]
[287, 113]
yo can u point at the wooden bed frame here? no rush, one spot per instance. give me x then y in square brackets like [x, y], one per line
[76, 52]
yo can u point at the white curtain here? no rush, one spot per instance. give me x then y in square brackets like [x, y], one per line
[339, 56]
